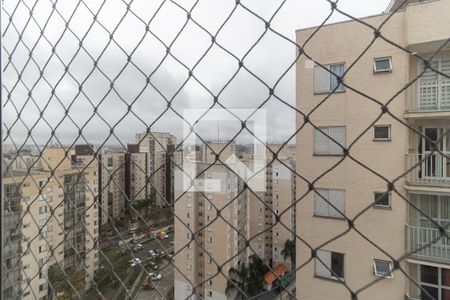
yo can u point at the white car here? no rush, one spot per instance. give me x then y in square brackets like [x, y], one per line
[172, 243]
[135, 261]
[151, 253]
[154, 276]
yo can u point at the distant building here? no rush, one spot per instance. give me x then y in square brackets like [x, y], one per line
[50, 219]
[157, 145]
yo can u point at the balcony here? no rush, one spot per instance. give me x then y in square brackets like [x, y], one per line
[438, 251]
[429, 169]
[428, 98]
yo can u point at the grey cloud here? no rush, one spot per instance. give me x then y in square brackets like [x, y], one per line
[268, 60]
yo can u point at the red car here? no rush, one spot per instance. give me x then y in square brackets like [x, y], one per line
[103, 240]
[148, 285]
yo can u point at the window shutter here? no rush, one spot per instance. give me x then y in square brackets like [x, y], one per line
[322, 269]
[321, 141]
[338, 134]
[445, 67]
[320, 205]
[337, 198]
[321, 80]
[429, 74]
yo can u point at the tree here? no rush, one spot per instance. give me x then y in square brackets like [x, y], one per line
[289, 252]
[236, 284]
[60, 283]
[246, 280]
[170, 295]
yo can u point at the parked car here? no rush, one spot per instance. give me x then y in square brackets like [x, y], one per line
[134, 241]
[153, 265]
[151, 253]
[138, 247]
[135, 261]
[154, 276]
[148, 285]
[172, 243]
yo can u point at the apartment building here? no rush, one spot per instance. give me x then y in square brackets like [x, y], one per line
[204, 238]
[267, 236]
[157, 145]
[51, 220]
[388, 221]
[121, 178]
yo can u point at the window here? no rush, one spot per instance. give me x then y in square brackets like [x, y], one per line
[42, 248]
[324, 79]
[435, 281]
[382, 64]
[43, 235]
[42, 287]
[382, 132]
[323, 200]
[323, 145]
[382, 268]
[210, 293]
[43, 210]
[382, 199]
[329, 264]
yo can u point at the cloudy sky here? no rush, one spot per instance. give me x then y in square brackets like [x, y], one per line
[215, 73]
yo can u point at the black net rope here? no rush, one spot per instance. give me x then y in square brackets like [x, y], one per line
[20, 56]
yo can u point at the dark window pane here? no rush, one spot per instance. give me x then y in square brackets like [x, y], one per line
[432, 134]
[434, 292]
[381, 132]
[383, 268]
[445, 294]
[445, 277]
[429, 274]
[337, 264]
[382, 199]
[382, 64]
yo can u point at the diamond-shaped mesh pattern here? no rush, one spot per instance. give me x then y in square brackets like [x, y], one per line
[70, 212]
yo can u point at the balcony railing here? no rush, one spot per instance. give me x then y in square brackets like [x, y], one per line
[429, 169]
[438, 251]
[428, 96]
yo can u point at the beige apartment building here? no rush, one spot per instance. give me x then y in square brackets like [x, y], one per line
[267, 236]
[251, 213]
[157, 145]
[388, 148]
[216, 241]
[121, 178]
[49, 220]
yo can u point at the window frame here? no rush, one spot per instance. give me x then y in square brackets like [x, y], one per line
[382, 139]
[328, 190]
[329, 152]
[378, 205]
[328, 69]
[329, 268]
[377, 59]
[375, 269]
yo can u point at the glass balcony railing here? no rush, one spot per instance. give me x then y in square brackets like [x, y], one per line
[429, 96]
[429, 243]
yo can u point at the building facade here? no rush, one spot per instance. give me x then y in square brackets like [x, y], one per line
[52, 222]
[351, 189]
[157, 145]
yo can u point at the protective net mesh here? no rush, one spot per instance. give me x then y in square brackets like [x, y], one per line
[85, 204]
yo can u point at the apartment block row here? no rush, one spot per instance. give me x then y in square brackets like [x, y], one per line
[220, 223]
[50, 222]
[391, 223]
